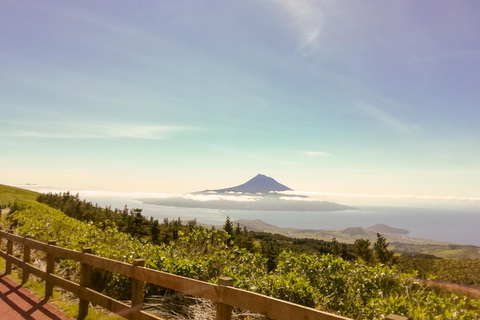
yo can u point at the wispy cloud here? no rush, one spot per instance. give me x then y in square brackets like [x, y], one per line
[386, 118]
[316, 154]
[97, 131]
[305, 17]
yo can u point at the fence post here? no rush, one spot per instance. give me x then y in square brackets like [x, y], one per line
[8, 264]
[26, 259]
[224, 311]
[395, 317]
[1, 239]
[84, 282]
[50, 270]
[137, 290]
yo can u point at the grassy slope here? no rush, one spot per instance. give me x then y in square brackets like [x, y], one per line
[9, 194]
[70, 308]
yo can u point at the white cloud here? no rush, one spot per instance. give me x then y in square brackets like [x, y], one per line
[149, 195]
[218, 197]
[377, 196]
[298, 199]
[63, 130]
[315, 154]
[94, 193]
[133, 195]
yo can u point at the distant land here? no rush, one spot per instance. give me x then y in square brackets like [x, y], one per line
[259, 193]
[383, 228]
[398, 243]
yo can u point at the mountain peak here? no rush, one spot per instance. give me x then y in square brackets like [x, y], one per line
[258, 184]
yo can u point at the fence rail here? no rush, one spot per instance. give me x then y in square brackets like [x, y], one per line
[223, 294]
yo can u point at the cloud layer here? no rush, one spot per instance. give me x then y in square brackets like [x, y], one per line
[379, 196]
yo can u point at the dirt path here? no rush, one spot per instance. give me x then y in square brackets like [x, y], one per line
[17, 303]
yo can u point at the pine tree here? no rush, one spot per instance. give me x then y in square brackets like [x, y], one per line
[382, 254]
[362, 250]
[228, 226]
[336, 248]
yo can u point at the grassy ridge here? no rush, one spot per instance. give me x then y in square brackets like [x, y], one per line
[10, 194]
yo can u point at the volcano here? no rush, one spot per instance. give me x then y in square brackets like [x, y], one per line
[258, 184]
[259, 193]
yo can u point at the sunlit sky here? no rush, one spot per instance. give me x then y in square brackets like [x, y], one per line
[363, 97]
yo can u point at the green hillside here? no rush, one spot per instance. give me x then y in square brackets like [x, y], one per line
[9, 194]
[349, 288]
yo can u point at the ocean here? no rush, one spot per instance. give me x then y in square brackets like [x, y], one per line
[457, 223]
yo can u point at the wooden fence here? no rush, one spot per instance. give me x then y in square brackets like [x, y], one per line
[223, 294]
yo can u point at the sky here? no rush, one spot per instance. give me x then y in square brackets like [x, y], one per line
[374, 98]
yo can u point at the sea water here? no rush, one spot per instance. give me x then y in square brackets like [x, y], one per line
[458, 224]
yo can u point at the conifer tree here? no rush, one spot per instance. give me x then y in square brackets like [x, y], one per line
[382, 254]
[228, 226]
[362, 250]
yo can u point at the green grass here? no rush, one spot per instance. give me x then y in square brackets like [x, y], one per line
[10, 194]
[446, 251]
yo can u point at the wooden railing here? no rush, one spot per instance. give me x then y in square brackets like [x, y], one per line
[223, 294]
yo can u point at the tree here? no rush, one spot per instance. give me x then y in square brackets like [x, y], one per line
[362, 250]
[238, 230]
[192, 224]
[270, 251]
[382, 254]
[155, 231]
[336, 248]
[228, 226]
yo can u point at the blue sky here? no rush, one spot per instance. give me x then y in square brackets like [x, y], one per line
[377, 97]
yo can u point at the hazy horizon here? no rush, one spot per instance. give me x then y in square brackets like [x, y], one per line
[348, 199]
[452, 221]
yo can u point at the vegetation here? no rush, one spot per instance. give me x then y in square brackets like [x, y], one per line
[70, 308]
[360, 280]
[133, 223]
[11, 194]
[352, 288]
[448, 251]
[463, 272]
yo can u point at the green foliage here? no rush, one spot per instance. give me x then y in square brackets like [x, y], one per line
[305, 245]
[464, 272]
[228, 226]
[45, 223]
[9, 195]
[382, 254]
[326, 282]
[130, 221]
[362, 250]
